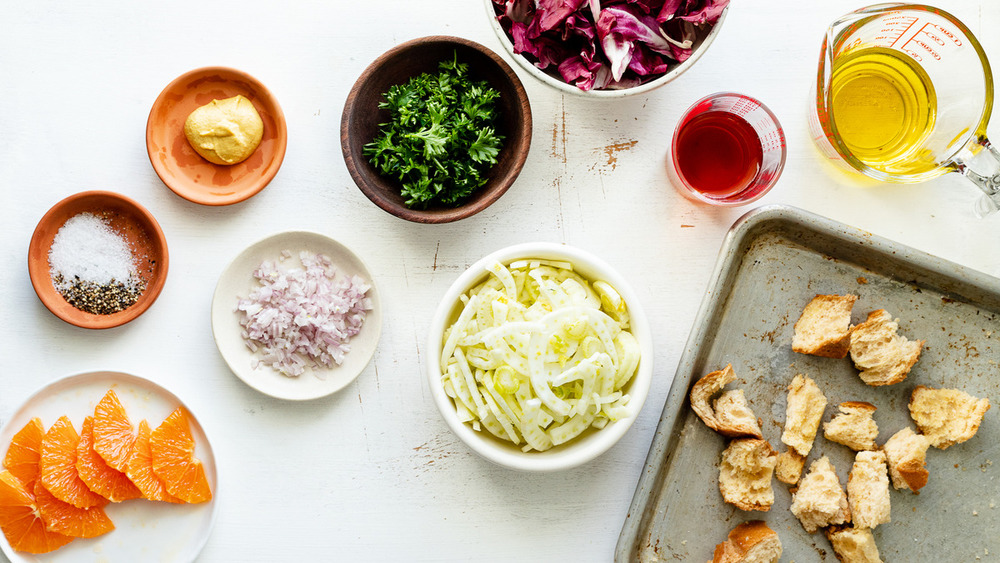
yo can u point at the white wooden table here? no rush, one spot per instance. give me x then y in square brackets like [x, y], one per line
[372, 473]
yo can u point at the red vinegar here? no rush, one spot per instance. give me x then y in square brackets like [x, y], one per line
[718, 153]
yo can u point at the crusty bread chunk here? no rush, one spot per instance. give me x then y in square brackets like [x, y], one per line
[803, 414]
[820, 501]
[853, 426]
[946, 416]
[824, 329]
[868, 490]
[729, 415]
[750, 542]
[745, 474]
[853, 545]
[883, 356]
[789, 467]
[906, 454]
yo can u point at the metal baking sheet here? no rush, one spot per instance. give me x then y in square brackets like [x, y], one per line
[773, 261]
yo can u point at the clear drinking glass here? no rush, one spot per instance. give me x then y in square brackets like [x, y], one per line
[903, 94]
[728, 149]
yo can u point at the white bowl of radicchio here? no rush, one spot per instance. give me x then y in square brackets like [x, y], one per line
[606, 48]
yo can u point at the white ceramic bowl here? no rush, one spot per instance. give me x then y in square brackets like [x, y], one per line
[237, 280]
[701, 44]
[586, 446]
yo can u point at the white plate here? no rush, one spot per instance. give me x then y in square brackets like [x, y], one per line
[144, 530]
[237, 281]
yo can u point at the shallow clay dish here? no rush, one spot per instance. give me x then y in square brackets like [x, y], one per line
[174, 532]
[182, 169]
[362, 116]
[129, 219]
[237, 281]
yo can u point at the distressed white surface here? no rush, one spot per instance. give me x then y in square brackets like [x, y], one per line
[372, 473]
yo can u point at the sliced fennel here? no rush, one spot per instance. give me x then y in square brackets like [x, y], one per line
[539, 354]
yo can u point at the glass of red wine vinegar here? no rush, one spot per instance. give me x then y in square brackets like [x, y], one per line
[728, 149]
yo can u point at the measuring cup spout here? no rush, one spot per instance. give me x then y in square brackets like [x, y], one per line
[980, 162]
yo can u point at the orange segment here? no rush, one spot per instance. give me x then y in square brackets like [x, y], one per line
[22, 455]
[112, 432]
[64, 518]
[140, 468]
[173, 459]
[98, 475]
[57, 466]
[20, 521]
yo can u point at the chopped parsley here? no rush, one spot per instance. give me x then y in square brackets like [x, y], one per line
[441, 141]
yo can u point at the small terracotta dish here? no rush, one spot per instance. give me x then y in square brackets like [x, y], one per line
[126, 217]
[237, 281]
[182, 169]
[362, 117]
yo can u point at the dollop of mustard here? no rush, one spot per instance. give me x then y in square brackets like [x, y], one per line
[225, 131]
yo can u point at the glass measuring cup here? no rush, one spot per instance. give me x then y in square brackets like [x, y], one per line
[903, 94]
[728, 149]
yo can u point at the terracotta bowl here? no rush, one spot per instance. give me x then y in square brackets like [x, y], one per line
[185, 172]
[128, 219]
[362, 116]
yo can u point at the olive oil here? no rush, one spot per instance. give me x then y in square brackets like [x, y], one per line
[883, 107]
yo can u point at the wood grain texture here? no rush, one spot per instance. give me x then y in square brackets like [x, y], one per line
[372, 473]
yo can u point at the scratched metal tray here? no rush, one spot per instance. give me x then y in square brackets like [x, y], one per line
[773, 261]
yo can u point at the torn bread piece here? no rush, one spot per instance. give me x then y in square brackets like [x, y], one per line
[750, 542]
[868, 490]
[803, 414]
[789, 467]
[853, 545]
[883, 356]
[820, 500]
[853, 426]
[745, 474]
[946, 416]
[906, 455]
[729, 415]
[824, 328]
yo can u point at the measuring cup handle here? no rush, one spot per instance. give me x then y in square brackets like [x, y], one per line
[980, 162]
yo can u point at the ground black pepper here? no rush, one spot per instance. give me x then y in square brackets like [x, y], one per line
[97, 298]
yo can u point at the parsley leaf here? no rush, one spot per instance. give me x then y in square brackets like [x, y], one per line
[441, 140]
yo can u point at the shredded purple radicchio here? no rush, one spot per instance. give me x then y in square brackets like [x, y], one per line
[606, 44]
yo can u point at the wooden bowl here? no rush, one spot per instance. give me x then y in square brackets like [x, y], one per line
[129, 219]
[362, 116]
[183, 170]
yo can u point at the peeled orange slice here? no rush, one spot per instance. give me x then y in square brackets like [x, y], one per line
[22, 455]
[57, 467]
[64, 518]
[20, 520]
[140, 468]
[173, 459]
[113, 436]
[97, 474]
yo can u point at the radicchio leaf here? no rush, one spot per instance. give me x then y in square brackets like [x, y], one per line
[620, 28]
[520, 10]
[606, 43]
[708, 13]
[551, 13]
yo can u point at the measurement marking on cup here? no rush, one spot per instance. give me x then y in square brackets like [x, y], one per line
[889, 29]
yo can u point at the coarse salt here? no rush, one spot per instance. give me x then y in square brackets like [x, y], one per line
[87, 249]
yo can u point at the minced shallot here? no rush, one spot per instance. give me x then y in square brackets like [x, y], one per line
[302, 317]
